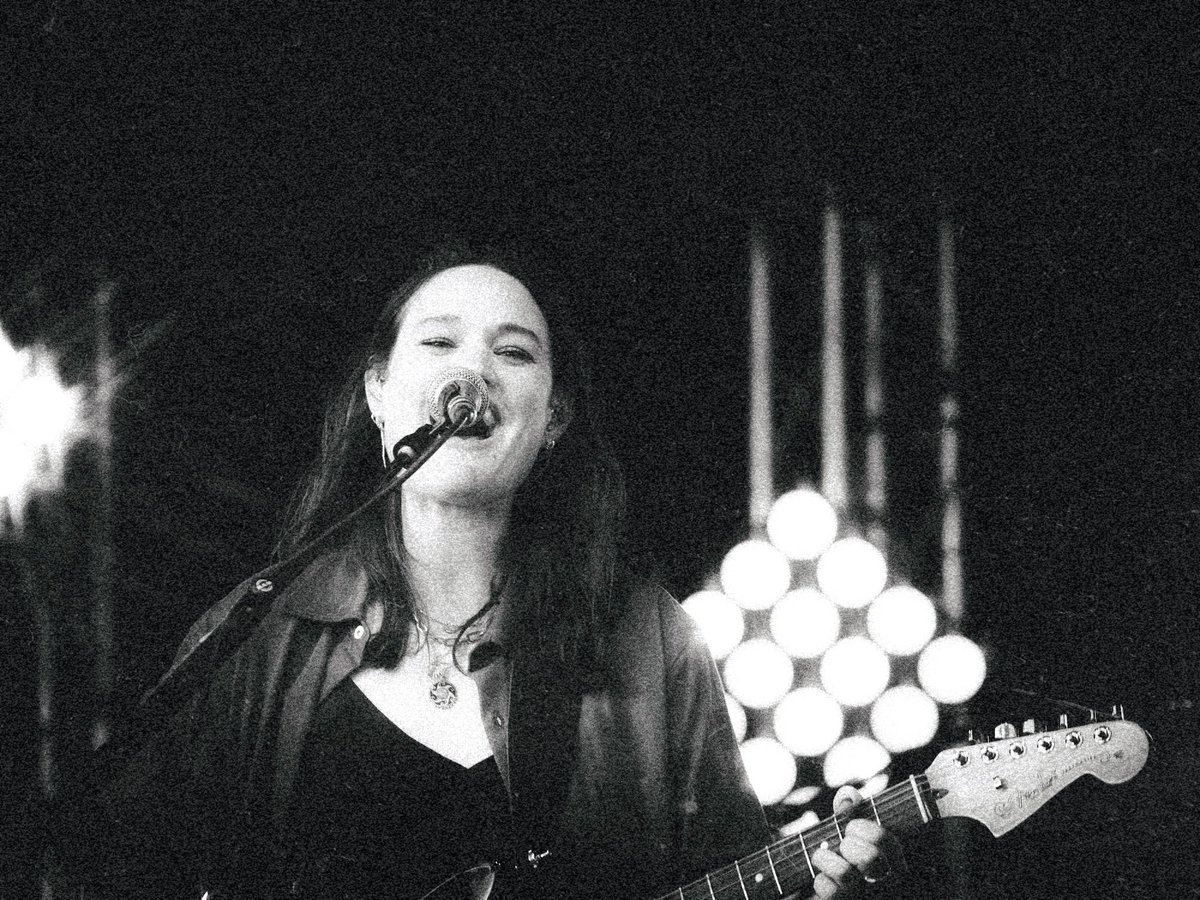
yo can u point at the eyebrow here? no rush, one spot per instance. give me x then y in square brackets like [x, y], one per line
[505, 328]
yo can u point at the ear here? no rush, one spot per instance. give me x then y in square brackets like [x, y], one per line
[373, 385]
[561, 410]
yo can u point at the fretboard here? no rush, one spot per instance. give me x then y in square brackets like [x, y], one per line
[786, 867]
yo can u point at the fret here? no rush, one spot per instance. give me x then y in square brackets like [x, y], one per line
[925, 817]
[741, 881]
[874, 809]
[681, 897]
[710, 890]
[807, 858]
[774, 874]
[837, 827]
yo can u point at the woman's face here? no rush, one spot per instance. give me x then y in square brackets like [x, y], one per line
[483, 319]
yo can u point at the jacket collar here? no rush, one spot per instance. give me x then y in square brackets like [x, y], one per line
[332, 589]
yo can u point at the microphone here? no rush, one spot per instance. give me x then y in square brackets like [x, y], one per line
[457, 396]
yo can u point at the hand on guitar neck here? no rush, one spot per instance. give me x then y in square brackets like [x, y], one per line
[864, 854]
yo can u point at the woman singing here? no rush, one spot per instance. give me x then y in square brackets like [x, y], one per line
[468, 675]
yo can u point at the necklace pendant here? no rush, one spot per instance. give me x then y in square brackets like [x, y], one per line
[443, 694]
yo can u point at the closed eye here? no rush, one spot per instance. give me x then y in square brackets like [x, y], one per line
[437, 342]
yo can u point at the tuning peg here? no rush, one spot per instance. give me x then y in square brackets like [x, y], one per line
[1118, 712]
[1064, 720]
[1093, 716]
[1030, 726]
[975, 736]
[1005, 730]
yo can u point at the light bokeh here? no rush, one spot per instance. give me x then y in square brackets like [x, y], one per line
[770, 767]
[854, 759]
[720, 620]
[951, 669]
[852, 572]
[901, 620]
[805, 623]
[758, 673]
[808, 721]
[755, 574]
[903, 718]
[802, 524]
[855, 671]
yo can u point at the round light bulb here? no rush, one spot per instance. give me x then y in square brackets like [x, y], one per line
[754, 574]
[758, 673]
[901, 620]
[770, 767]
[904, 718]
[855, 671]
[951, 669]
[854, 759]
[720, 620]
[805, 623]
[802, 524]
[808, 721]
[852, 572]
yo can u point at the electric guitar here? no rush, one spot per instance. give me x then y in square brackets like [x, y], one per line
[999, 783]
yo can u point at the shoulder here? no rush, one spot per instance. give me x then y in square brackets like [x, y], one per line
[651, 614]
[332, 588]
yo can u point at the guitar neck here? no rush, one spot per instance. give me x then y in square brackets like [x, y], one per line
[786, 867]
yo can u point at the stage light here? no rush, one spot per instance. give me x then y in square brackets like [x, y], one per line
[852, 572]
[807, 820]
[39, 420]
[720, 620]
[754, 574]
[758, 673]
[805, 623]
[903, 718]
[951, 669]
[737, 717]
[801, 796]
[854, 759]
[874, 785]
[802, 524]
[808, 721]
[855, 671]
[770, 767]
[901, 620]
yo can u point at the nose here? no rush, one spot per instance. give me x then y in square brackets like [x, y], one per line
[481, 360]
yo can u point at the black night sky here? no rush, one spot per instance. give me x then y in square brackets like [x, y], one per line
[254, 177]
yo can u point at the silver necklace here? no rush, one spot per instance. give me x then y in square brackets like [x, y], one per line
[443, 693]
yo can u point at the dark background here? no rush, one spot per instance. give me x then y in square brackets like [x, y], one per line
[254, 177]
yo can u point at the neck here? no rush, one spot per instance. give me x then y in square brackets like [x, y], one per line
[453, 554]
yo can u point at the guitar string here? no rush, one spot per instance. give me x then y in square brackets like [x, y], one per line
[899, 797]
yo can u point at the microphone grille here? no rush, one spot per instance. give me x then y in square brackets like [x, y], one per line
[456, 382]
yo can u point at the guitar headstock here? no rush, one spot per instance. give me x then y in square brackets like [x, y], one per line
[1003, 781]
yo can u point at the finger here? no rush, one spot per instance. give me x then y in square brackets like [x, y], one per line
[836, 876]
[832, 864]
[864, 856]
[825, 887]
[847, 795]
[867, 830]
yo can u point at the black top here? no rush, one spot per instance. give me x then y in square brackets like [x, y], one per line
[382, 815]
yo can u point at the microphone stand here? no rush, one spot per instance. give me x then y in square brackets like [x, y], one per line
[409, 454]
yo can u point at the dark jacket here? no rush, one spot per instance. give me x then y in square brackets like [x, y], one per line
[633, 787]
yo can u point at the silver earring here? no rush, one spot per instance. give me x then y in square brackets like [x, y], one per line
[550, 445]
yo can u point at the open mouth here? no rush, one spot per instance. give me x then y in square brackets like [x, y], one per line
[480, 429]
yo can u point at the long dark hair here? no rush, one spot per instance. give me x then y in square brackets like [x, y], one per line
[563, 543]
